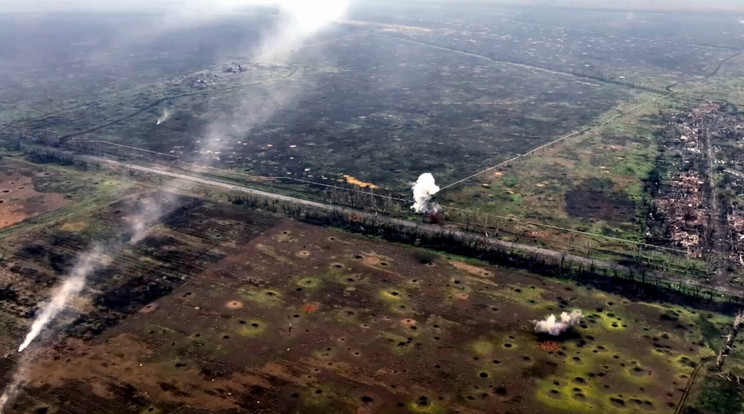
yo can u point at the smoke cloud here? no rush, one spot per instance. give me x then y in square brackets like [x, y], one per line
[554, 326]
[423, 191]
[164, 117]
[70, 289]
[300, 19]
[148, 216]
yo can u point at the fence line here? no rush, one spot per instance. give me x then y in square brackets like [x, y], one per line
[96, 141]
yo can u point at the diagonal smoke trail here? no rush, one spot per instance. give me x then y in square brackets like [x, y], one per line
[70, 289]
[302, 18]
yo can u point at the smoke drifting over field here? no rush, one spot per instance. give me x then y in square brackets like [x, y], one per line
[423, 191]
[148, 215]
[164, 117]
[70, 289]
[554, 326]
[297, 21]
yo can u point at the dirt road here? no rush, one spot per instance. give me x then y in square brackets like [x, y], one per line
[432, 228]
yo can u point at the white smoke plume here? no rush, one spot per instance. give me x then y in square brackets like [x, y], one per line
[164, 117]
[19, 377]
[423, 191]
[148, 215]
[299, 20]
[553, 326]
[142, 222]
[70, 289]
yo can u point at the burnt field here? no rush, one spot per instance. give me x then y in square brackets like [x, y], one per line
[186, 245]
[225, 310]
[372, 106]
[633, 48]
[68, 60]
[385, 96]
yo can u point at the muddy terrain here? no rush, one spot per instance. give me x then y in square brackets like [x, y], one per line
[225, 310]
[22, 193]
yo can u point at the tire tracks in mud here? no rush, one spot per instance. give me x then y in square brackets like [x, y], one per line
[690, 383]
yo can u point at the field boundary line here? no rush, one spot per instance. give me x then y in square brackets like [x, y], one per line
[559, 140]
[690, 382]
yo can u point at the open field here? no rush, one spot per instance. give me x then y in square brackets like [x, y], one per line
[611, 159]
[53, 61]
[350, 107]
[41, 193]
[587, 195]
[359, 100]
[227, 310]
[20, 199]
[633, 48]
[593, 182]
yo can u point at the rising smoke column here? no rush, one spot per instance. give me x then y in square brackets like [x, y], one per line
[164, 117]
[299, 19]
[149, 214]
[552, 326]
[70, 289]
[423, 191]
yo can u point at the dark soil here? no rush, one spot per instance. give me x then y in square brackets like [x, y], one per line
[594, 199]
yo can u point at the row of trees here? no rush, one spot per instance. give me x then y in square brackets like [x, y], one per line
[633, 281]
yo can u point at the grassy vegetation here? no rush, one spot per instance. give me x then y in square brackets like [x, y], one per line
[85, 191]
[619, 157]
[585, 195]
[717, 396]
[712, 335]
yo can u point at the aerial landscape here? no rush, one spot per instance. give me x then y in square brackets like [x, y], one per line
[423, 206]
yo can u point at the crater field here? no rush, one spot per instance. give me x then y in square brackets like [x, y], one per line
[281, 316]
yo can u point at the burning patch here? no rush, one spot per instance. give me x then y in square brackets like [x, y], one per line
[359, 183]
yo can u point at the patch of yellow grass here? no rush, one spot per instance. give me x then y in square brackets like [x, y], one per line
[473, 270]
[74, 226]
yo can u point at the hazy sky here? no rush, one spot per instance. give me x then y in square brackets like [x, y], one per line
[222, 6]
[201, 6]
